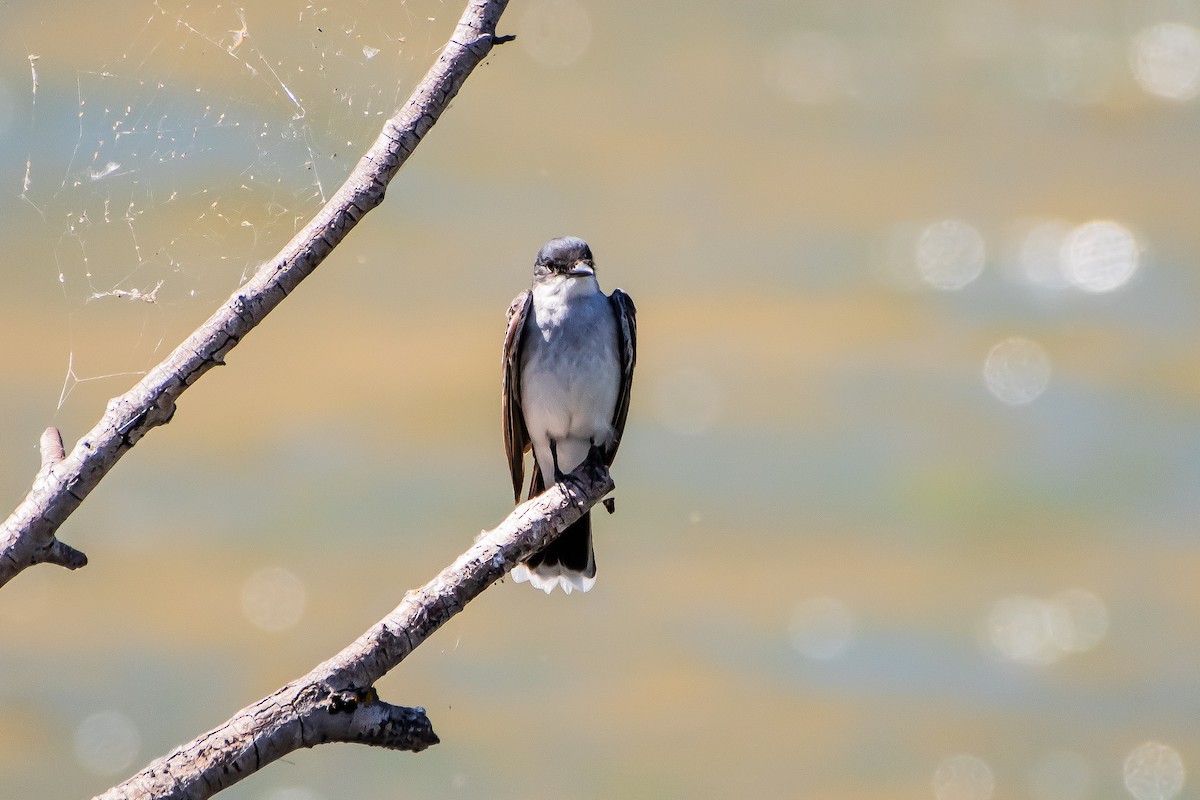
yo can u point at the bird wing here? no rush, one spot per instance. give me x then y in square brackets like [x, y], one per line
[516, 437]
[626, 315]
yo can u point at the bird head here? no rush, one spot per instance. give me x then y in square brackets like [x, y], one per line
[567, 256]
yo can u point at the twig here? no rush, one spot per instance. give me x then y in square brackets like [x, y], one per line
[27, 537]
[40, 544]
[336, 702]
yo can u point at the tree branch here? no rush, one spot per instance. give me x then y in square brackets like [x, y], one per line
[336, 702]
[27, 537]
[38, 543]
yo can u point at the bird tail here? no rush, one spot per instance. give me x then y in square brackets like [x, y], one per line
[568, 561]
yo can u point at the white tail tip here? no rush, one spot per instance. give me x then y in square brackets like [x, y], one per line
[546, 577]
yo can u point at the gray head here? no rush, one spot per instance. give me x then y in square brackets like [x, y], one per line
[567, 255]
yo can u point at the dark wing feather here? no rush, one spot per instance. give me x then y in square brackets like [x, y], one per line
[626, 315]
[516, 437]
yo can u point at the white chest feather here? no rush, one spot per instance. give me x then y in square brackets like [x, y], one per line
[570, 373]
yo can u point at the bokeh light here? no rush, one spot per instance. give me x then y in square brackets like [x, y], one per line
[821, 628]
[1100, 256]
[1022, 628]
[555, 33]
[1035, 253]
[688, 401]
[963, 777]
[949, 254]
[1061, 775]
[810, 68]
[1082, 619]
[1017, 370]
[107, 742]
[1154, 771]
[291, 793]
[1032, 630]
[1166, 60]
[887, 169]
[273, 599]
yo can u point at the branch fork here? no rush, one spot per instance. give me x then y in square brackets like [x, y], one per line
[43, 546]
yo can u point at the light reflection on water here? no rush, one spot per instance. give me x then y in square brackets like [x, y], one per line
[1017, 370]
[829, 218]
[1100, 256]
[949, 254]
[1166, 60]
[1154, 771]
[1035, 631]
[963, 777]
[107, 743]
[1035, 253]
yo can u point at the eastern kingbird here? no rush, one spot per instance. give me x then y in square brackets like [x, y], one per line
[569, 353]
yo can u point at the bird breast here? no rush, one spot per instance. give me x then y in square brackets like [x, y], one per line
[570, 373]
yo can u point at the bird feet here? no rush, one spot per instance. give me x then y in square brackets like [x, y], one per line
[558, 473]
[595, 456]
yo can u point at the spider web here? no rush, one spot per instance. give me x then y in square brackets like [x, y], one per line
[158, 174]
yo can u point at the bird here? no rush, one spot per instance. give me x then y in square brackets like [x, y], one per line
[569, 354]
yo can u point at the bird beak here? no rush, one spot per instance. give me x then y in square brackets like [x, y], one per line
[581, 269]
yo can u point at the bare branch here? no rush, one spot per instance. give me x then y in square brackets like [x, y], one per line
[336, 702]
[27, 536]
[38, 544]
[51, 448]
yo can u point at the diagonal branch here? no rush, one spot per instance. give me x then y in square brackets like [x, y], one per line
[336, 702]
[27, 537]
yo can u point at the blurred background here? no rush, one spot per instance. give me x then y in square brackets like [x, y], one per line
[907, 501]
